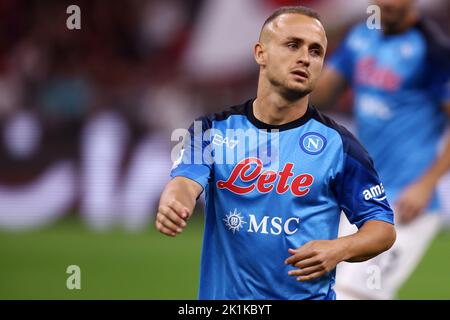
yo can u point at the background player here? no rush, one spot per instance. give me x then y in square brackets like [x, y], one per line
[248, 243]
[400, 80]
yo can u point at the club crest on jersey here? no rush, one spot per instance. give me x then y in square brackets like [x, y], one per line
[247, 176]
[313, 143]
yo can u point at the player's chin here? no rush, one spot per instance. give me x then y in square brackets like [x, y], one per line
[301, 89]
[300, 83]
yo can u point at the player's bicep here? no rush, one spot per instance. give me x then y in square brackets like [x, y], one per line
[195, 161]
[359, 190]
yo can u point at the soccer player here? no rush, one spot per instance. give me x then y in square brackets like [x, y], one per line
[400, 80]
[272, 215]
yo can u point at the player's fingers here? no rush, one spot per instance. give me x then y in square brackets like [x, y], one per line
[307, 263]
[312, 276]
[167, 223]
[299, 255]
[305, 271]
[161, 227]
[172, 216]
[179, 209]
[164, 230]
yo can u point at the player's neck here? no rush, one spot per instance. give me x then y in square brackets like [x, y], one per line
[411, 19]
[275, 110]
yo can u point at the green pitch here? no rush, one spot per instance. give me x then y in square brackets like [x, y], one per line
[147, 265]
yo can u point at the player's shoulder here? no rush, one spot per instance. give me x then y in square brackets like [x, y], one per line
[438, 43]
[350, 144]
[433, 33]
[358, 37]
[226, 113]
[358, 30]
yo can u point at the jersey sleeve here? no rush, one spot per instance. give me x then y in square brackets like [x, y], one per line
[439, 73]
[343, 58]
[359, 190]
[437, 61]
[195, 159]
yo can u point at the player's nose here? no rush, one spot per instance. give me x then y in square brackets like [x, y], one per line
[303, 57]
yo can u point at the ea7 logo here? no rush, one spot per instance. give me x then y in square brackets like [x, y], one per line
[375, 193]
[218, 140]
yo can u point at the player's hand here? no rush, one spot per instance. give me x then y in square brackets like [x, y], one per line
[314, 259]
[413, 201]
[171, 217]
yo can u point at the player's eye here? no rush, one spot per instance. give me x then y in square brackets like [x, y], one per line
[292, 45]
[315, 52]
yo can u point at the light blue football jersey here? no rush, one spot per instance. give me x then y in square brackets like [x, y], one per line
[399, 83]
[270, 188]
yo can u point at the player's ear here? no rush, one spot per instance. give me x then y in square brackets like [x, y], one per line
[259, 54]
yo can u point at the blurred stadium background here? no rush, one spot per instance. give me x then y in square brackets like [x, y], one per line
[85, 137]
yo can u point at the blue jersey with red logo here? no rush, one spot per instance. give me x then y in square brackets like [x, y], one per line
[400, 83]
[270, 188]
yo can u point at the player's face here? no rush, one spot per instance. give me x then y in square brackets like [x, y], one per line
[294, 53]
[393, 12]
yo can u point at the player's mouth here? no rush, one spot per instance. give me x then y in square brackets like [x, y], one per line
[300, 74]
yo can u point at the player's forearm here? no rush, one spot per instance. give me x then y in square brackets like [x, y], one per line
[440, 166]
[182, 190]
[328, 89]
[373, 238]
[176, 205]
